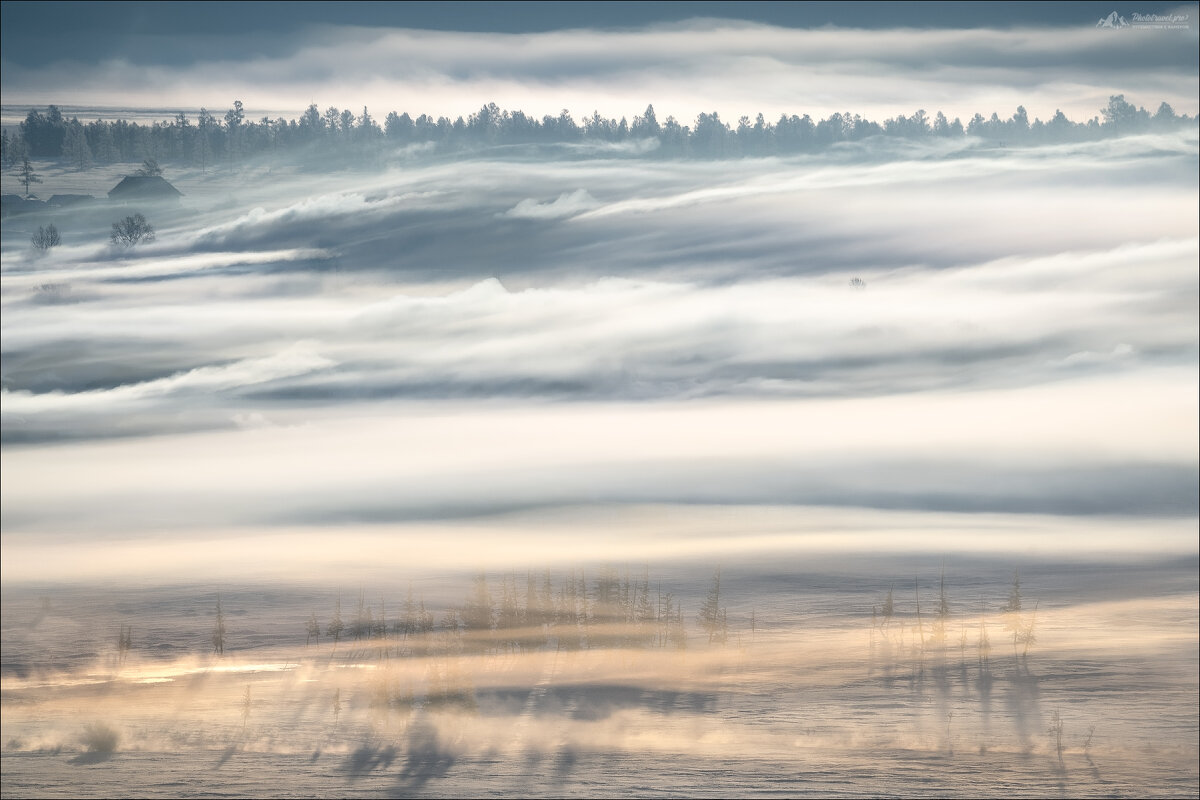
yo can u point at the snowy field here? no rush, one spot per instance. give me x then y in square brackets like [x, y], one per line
[312, 388]
[813, 700]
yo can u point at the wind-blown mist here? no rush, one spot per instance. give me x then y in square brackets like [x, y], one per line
[487, 336]
[709, 407]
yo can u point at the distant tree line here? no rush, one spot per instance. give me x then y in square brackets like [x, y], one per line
[338, 137]
[523, 614]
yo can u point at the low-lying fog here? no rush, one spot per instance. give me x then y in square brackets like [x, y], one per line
[315, 386]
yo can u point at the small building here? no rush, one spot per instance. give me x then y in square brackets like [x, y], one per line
[64, 200]
[140, 188]
[13, 204]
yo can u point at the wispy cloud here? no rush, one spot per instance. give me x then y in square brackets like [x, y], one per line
[565, 205]
[684, 68]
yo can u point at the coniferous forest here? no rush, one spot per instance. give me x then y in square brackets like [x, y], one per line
[336, 138]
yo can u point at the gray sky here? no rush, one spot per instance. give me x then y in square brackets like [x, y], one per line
[736, 58]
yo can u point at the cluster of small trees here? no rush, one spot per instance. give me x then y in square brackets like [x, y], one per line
[342, 135]
[613, 611]
[1015, 620]
[46, 237]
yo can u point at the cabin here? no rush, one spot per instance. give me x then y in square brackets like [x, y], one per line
[64, 200]
[13, 204]
[141, 188]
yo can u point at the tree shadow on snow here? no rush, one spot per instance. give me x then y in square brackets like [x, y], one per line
[226, 754]
[426, 758]
[367, 758]
[91, 757]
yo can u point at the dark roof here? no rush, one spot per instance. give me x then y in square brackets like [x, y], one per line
[69, 199]
[144, 187]
[15, 204]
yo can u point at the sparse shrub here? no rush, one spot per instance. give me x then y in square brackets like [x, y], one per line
[313, 630]
[1022, 628]
[246, 705]
[124, 642]
[1056, 730]
[46, 238]
[712, 613]
[99, 737]
[218, 632]
[943, 613]
[50, 293]
[1028, 636]
[132, 230]
[858, 284]
[1012, 611]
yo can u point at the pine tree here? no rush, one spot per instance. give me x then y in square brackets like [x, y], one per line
[712, 615]
[1012, 610]
[644, 613]
[407, 624]
[379, 626]
[889, 608]
[26, 175]
[477, 616]
[75, 147]
[360, 626]
[943, 612]
[106, 145]
[336, 626]
[677, 634]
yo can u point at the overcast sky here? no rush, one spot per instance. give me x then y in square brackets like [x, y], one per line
[877, 59]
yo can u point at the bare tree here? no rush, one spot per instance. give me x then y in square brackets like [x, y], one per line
[132, 230]
[245, 707]
[46, 238]
[314, 630]
[1056, 730]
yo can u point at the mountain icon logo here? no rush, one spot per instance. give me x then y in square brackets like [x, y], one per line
[1113, 20]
